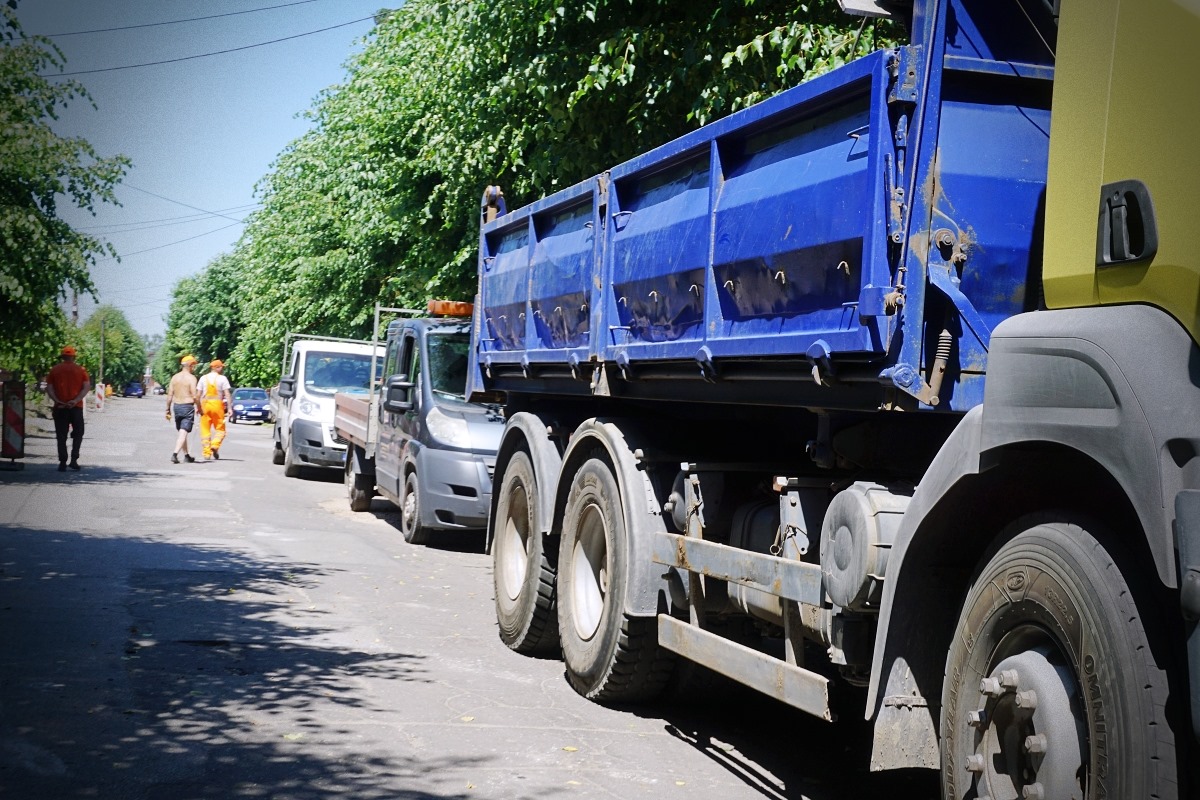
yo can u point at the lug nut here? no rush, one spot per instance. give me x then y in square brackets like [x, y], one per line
[977, 719]
[1033, 791]
[1036, 743]
[975, 763]
[1027, 700]
[991, 687]
[1009, 678]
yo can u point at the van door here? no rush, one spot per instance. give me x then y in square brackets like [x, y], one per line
[387, 446]
[408, 424]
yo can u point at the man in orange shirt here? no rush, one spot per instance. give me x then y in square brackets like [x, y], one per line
[66, 385]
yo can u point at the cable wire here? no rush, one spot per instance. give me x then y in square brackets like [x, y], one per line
[204, 55]
[170, 244]
[180, 202]
[175, 21]
[165, 222]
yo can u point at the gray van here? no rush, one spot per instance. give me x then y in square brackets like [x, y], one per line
[423, 446]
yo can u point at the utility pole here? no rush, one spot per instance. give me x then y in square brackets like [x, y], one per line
[101, 379]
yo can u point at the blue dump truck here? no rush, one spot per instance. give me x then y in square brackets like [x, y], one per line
[882, 397]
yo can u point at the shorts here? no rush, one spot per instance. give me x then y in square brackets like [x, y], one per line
[185, 416]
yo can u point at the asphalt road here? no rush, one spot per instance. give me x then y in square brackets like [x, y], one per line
[215, 630]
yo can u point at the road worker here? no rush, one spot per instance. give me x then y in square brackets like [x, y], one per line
[182, 402]
[216, 398]
[67, 385]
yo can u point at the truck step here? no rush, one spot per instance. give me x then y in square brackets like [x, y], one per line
[793, 685]
[791, 580]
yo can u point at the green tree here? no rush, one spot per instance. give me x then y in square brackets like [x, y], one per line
[107, 335]
[41, 256]
[379, 201]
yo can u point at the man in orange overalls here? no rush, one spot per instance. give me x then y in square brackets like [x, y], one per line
[216, 398]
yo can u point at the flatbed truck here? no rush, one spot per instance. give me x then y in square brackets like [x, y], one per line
[413, 438]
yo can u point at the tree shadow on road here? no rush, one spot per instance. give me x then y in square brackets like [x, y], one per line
[142, 668]
[781, 752]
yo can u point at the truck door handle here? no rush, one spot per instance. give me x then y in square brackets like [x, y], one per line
[1127, 232]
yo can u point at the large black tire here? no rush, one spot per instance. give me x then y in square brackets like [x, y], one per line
[1052, 650]
[291, 464]
[523, 574]
[610, 656]
[410, 512]
[357, 488]
[277, 453]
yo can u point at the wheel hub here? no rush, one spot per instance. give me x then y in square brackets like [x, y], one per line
[589, 572]
[1029, 738]
[514, 544]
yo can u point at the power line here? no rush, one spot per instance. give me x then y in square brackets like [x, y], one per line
[140, 288]
[176, 21]
[145, 225]
[178, 241]
[206, 55]
[180, 202]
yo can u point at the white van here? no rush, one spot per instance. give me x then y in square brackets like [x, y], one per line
[303, 401]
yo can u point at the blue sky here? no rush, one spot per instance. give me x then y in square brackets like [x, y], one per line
[200, 132]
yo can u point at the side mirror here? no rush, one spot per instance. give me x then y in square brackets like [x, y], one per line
[287, 386]
[397, 394]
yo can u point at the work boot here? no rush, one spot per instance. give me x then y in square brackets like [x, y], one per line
[62, 466]
[188, 459]
[216, 455]
[174, 458]
[74, 465]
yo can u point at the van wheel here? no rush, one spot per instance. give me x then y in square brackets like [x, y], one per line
[610, 656]
[1052, 688]
[523, 574]
[291, 465]
[410, 512]
[360, 495]
[277, 454]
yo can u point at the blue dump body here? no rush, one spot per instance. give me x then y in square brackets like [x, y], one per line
[837, 238]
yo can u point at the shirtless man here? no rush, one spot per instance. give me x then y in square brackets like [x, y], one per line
[183, 401]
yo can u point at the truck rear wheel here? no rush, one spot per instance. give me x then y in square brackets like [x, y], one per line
[277, 453]
[1051, 687]
[356, 484]
[523, 574]
[610, 656]
[410, 512]
[291, 464]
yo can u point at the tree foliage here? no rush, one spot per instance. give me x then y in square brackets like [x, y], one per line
[379, 201]
[41, 256]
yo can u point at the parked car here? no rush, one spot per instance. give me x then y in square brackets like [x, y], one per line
[158, 389]
[250, 403]
[134, 389]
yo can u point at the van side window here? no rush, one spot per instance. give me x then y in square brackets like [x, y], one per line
[411, 365]
[392, 360]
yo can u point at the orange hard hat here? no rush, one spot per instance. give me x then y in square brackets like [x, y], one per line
[188, 359]
[67, 351]
[217, 363]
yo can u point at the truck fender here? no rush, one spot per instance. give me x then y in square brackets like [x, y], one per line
[643, 512]
[1075, 418]
[528, 431]
[910, 671]
[362, 464]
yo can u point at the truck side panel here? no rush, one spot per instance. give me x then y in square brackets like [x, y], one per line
[780, 233]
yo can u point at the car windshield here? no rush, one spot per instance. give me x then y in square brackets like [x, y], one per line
[448, 364]
[326, 373]
[249, 394]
